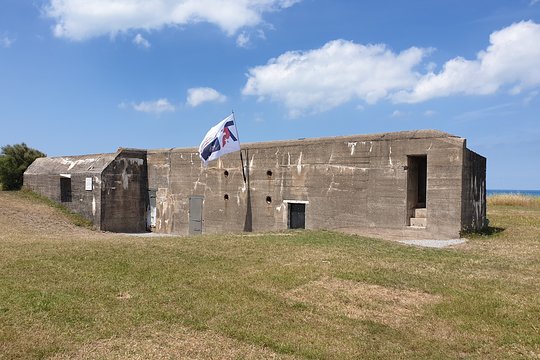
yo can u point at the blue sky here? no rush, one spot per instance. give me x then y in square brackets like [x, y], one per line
[89, 76]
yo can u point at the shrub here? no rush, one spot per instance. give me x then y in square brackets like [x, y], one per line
[14, 160]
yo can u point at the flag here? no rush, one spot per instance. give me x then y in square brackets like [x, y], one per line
[220, 140]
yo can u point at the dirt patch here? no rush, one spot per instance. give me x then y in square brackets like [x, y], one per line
[177, 343]
[363, 301]
[123, 296]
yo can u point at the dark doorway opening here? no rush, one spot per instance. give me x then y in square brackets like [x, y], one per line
[416, 190]
[65, 189]
[297, 216]
[422, 181]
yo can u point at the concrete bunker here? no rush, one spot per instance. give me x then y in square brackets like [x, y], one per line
[416, 184]
[108, 189]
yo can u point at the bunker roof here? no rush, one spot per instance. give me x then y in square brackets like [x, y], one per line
[93, 164]
[401, 135]
[96, 163]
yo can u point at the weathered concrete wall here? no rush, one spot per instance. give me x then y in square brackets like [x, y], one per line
[118, 198]
[44, 184]
[85, 202]
[387, 201]
[124, 194]
[474, 213]
[356, 182]
[444, 172]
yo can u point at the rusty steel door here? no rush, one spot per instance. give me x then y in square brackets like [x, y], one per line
[195, 214]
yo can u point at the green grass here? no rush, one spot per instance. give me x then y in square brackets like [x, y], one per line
[305, 295]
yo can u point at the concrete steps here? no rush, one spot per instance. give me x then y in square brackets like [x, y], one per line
[420, 218]
[418, 222]
[420, 213]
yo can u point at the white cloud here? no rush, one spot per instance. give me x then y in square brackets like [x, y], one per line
[262, 35]
[530, 96]
[198, 96]
[243, 40]
[156, 107]
[511, 61]
[82, 19]
[320, 79]
[397, 114]
[341, 71]
[140, 41]
[534, 2]
[429, 113]
[500, 110]
[6, 41]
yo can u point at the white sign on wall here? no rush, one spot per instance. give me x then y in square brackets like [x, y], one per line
[88, 184]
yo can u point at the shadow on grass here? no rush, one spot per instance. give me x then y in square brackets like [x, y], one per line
[488, 231]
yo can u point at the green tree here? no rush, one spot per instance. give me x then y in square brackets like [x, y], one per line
[14, 160]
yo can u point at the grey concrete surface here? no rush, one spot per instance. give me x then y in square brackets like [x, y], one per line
[362, 183]
[434, 243]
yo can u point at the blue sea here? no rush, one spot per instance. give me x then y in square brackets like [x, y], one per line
[514, 192]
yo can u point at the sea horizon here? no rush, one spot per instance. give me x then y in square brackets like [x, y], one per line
[513, 192]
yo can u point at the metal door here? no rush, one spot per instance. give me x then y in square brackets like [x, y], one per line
[152, 211]
[297, 216]
[195, 214]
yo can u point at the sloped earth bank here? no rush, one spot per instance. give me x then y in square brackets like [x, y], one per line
[20, 216]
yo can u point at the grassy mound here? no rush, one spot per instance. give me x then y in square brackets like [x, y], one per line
[75, 218]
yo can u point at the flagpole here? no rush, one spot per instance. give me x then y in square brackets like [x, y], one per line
[241, 157]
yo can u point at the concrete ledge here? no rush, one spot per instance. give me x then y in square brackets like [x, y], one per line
[434, 243]
[418, 222]
[405, 233]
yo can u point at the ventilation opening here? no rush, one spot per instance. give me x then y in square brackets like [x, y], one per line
[226, 173]
[269, 173]
[297, 216]
[65, 189]
[417, 191]
[268, 199]
[226, 197]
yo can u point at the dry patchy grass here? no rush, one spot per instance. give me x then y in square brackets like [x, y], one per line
[176, 342]
[358, 300]
[514, 200]
[68, 292]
